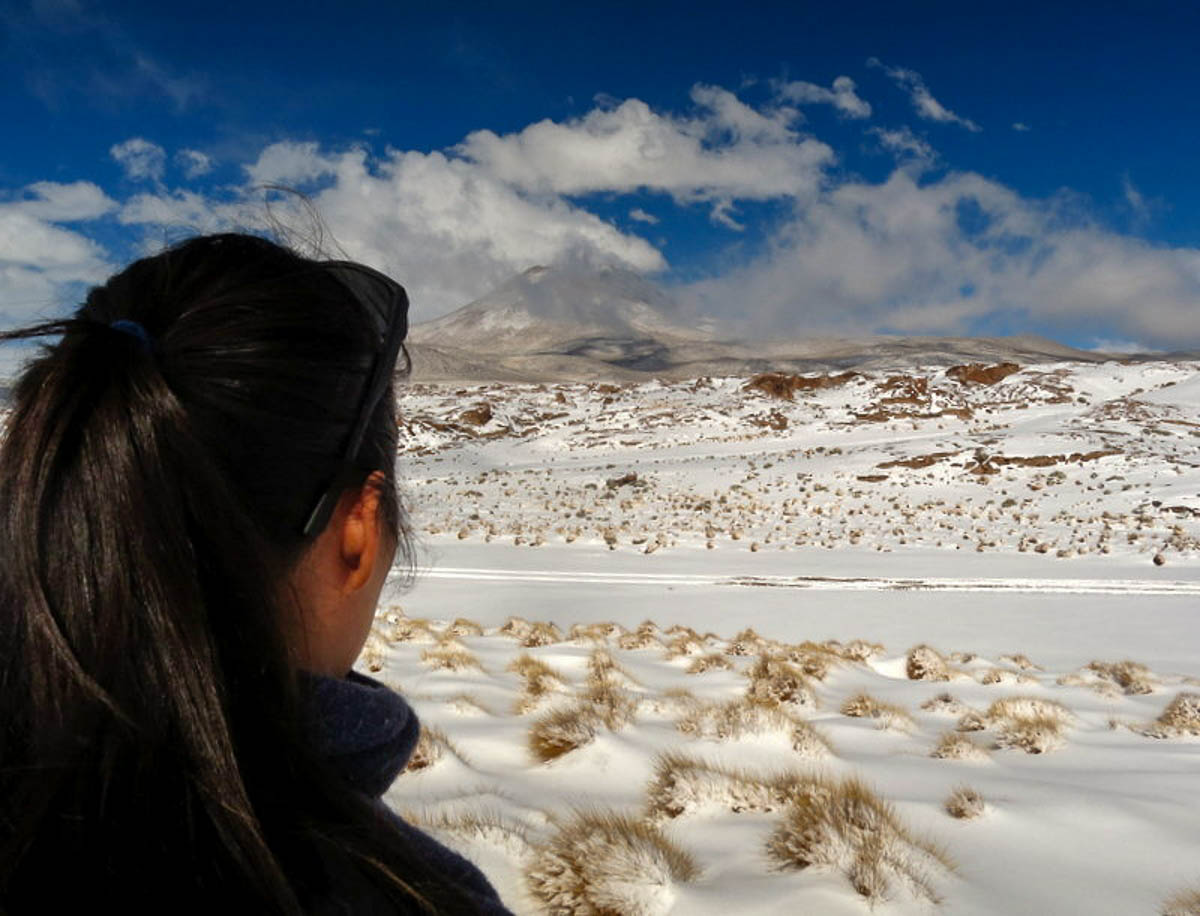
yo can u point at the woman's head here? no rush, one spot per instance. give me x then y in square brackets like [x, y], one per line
[158, 479]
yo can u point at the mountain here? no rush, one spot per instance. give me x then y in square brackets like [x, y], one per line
[570, 324]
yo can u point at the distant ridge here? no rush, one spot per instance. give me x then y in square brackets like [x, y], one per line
[555, 324]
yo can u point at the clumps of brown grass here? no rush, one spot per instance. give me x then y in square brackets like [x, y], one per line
[815, 660]
[409, 629]
[541, 633]
[602, 667]
[684, 641]
[644, 637]
[450, 655]
[1029, 724]
[473, 825]
[614, 706]
[857, 650]
[735, 718]
[773, 680]
[1020, 661]
[683, 783]
[463, 627]
[991, 676]
[957, 746]
[1183, 903]
[432, 746]
[847, 827]
[597, 633]
[602, 863]
[1181, 717]
[747, 642]
[563, 730]
[516, 627]
[540, 679]
[886, 715]
[714, 661]
[1133, 678]
[944, 703]
[924, 663]
[964, 803]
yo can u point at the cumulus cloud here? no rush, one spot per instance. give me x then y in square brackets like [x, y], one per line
[193, 163]
[64, 203]
[842, 96]
[724, 151]
[944, 256]
[926, 105]
[905, 145]
[141, 159]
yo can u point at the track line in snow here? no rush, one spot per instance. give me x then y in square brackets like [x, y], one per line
[828, 583]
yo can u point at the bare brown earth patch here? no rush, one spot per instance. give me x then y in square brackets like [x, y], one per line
[783, 386]
[979, 374]
[920, 461]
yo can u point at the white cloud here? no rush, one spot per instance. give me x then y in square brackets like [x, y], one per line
[926, 105]
[141, 159]
[193, 162]
[842, 96]
[1021, 127]
[726, 150]
[1137, 203]
[64, 203]
[905, 145]
[637, 213]
[941, 256]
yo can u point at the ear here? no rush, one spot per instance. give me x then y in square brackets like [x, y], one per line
[361, 532]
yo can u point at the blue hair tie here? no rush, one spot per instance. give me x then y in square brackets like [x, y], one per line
[134, 329]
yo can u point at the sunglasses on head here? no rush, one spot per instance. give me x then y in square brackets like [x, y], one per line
[386, 302]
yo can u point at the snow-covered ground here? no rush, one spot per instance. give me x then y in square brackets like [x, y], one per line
[759, 642]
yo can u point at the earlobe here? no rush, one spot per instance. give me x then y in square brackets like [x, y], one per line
[361, 534]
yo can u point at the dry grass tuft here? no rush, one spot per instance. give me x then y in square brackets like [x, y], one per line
[1181, 717]
[684, 644]
[857, 650]
[712, 661]
[472, 825]
[603, 668]
[541, 633]
[516, 627]
[957, 746]
[735, 718]
[773, 680]
[644, 637]
[815, 660]
[614, 706]
[944, 702]
[747, 642]
[540, 681]
[450, 655]
[1020, 661]
[851, 829]
[563, 730]
[683, 783]
[463, 627]
[964, 803]
[1029, 724]
[887, 715]
[1133, 678]
[598, 633]
[432, 746]
[1183, 903]
[924, 663]
[605, 863]
[409, 629]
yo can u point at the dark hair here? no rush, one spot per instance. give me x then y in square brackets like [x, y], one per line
[152, 494]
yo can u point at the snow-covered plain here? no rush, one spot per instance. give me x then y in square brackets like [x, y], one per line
[721, 598]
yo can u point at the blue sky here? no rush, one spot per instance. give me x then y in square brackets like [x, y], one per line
[897, 168]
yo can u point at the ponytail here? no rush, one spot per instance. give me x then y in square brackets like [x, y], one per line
[150, 487]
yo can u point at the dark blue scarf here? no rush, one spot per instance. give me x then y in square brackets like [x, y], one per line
[368, 732]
